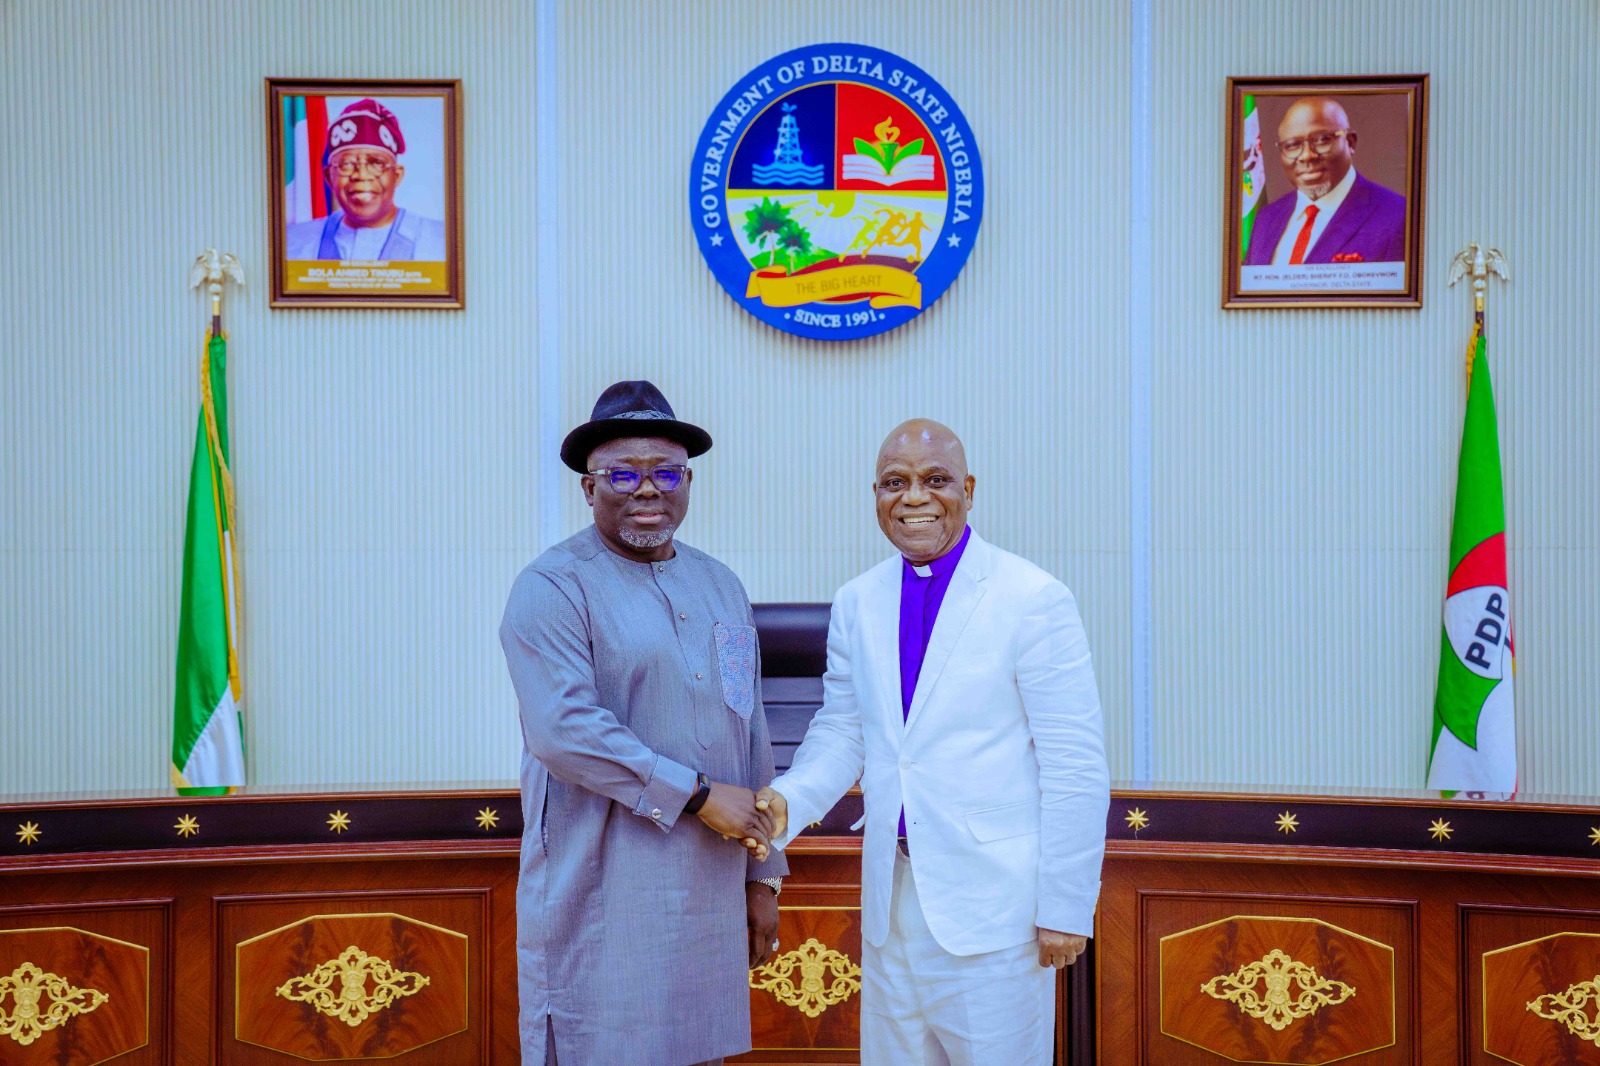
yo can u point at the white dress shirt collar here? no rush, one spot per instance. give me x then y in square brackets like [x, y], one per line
[1326, 206]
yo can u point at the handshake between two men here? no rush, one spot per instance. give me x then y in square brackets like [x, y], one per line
[755, 819]
[739, 814]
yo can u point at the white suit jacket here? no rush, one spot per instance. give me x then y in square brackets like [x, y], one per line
[1000, 764]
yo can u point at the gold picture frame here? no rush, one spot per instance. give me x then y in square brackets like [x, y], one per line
[1357, 141]
[364, 193]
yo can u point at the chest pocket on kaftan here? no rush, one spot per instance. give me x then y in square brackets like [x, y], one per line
[736, 664]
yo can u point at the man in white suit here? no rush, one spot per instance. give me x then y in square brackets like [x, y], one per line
[959, 691]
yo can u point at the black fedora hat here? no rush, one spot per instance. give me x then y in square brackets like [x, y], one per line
[630, 409]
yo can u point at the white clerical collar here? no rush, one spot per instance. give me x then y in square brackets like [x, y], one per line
[1328, 204]
[922, 571]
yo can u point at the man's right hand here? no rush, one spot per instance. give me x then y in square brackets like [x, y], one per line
[777, 809]
[731, 811]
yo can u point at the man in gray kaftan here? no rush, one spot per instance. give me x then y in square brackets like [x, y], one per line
[638, 678]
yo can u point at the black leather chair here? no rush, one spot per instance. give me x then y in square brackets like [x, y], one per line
[794, 652]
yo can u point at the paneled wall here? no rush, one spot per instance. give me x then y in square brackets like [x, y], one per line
[1024, 356]
[390, 469]
[1304, 461]
[386, 463]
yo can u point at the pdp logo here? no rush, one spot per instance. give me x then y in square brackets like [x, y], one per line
[836, 191]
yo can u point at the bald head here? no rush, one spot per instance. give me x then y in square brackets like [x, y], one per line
[923, 489]
[1320, 109]
[925, 433]
[1316, 145]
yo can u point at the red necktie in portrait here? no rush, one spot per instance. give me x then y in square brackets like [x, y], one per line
[1298, 255]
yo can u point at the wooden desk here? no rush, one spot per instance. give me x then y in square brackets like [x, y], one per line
[1425, 930]
[1406, 930]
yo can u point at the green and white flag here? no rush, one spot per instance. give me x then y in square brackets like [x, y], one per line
[207, 746]
[1252, 174]
[1474, 715]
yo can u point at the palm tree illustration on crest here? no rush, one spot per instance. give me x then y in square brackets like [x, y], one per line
[793, 240]
[764, 222]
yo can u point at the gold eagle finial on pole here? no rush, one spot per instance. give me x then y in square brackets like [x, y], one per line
[213, 269]
[1479, 262]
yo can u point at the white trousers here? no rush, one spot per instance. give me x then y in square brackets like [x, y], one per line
[922, 1005]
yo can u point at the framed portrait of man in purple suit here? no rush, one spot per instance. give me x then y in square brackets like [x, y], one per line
[1324, 190]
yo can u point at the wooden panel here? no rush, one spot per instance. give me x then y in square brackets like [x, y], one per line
[1364, 943]
[817, 969]
[119, 947]
[1343, 852]
[185, 1026]
[812, 988]
[1279, 990]
[1513, 960]
[1177, 940]
[266, 943]
[69, 997]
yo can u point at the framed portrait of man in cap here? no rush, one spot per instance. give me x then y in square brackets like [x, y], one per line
[364, 193]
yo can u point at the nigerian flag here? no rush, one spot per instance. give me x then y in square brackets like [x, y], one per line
[1474, 715]
[207, 749]
[305, 155]
[1252, 175]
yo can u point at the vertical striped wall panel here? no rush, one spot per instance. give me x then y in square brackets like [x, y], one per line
[385, 461]
[389, 471]
[1304, 461]
[1024, 356]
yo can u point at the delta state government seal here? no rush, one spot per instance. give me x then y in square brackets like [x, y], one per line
[836, 191]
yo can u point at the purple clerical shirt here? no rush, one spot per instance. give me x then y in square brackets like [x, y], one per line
[922, 590]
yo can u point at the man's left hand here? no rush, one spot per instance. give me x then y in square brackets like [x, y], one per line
[761, 917]
[1058, 949]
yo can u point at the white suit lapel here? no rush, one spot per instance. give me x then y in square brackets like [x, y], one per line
[961, 599]
[883, 623]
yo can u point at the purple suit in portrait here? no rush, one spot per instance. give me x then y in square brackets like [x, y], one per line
[1369, 227]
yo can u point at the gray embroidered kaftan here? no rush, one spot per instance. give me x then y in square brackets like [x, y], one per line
[630, 915]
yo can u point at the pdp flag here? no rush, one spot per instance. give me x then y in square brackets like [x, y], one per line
[207, 748]
[1474, 714]
[1252, 175]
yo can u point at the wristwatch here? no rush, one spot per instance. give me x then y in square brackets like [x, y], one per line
[774, 883]
[702, 792]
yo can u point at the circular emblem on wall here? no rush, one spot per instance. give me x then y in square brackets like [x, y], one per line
[836, 191]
